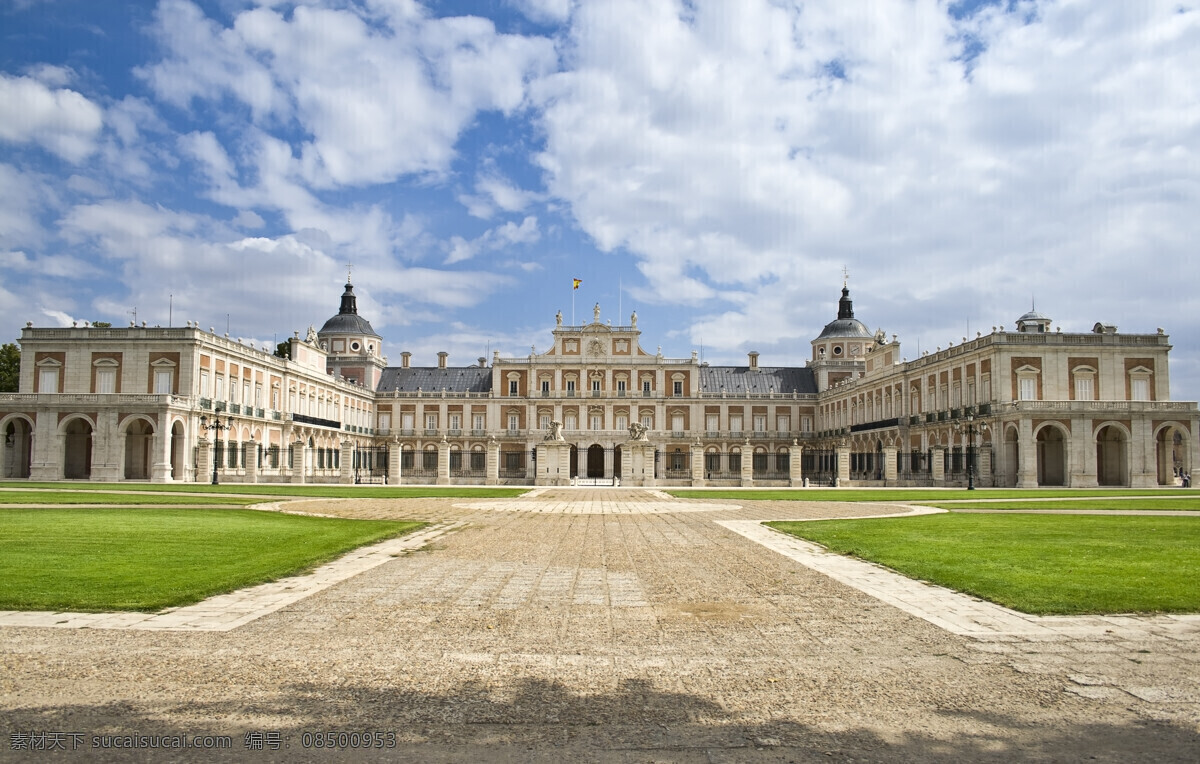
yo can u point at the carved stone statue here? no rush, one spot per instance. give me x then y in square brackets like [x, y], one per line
[554, 431]
[596, 313]
[558, 318]
[637, 431]
[311, 337]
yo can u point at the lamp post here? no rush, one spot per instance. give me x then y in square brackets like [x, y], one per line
[216, 426]
[970, 429]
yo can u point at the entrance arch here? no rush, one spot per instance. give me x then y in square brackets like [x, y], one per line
[595, 461]
[18, 448]
[138, 436]
[574, 461]
[77, 449]
[1051, 456]
[1112, 455]
[1173, 452]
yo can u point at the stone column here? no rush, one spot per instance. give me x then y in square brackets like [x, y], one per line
[346, 462]
[252, 458]
[443, 467]
[394, 477]
[203, 460]
[1143, 467]
[843, 465]
[493, 462]
[697, 464]
[108, 448]
[983, 466]
[48, 455]
[1082, 455]
[300, 460]
[160, 446]
[1026, 454]
[890, 471]
[939, 464]
[608, 463]
[795, 464]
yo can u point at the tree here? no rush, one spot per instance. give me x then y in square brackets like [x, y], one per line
[101, 324]
[10, 367]
[284, 349]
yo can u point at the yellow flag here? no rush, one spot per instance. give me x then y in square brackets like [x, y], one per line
[575, 283]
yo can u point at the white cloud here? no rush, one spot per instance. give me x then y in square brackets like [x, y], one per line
[745, 149]
[380, 98]
[496, 238]
[60, 120]
[544, 11]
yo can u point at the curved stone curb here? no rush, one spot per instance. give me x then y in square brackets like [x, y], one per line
[225, 612]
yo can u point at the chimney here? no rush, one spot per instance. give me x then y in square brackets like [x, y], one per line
[482, 362]
[442, 356]
[753, 355]
[405, 357]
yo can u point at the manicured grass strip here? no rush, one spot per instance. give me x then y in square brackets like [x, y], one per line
[147, 559]
[921, 495]
[1185, 503]
[123, 499]
[286, 489]
[1042, 564]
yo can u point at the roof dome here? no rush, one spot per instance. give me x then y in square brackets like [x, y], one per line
[846, 325]
[347, 321]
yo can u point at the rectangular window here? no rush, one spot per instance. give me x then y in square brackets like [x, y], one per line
[275, 399]
[677, 423]
[570, 388]
[512, 387]
[431, 421]
[480, 422]
[735, 423]
[646, 387]
[760, 423]
[544, 422]
[203, 384]
[245, 392]
[783, 424]
[1141, 389]
[1027, 387]
[648, 421]
[514, 422]
[597, 422]
[220, 391]
[621, 388]
[1083, 389]
[712, 422]
[545, 387]
[106, 381]
[258, 398]
[806, 424]
[622, 422]
[569, 423]
[677, 387]
[162, 382]
[595, 388]
[455, 421]
[385, 422]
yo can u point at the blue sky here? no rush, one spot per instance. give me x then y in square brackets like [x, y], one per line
[713, 165]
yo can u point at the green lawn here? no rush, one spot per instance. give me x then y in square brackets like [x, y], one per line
[921, 495]
[147, 559]
[1183, 503]
[59, 497]
[280, 489]
[1042, 564]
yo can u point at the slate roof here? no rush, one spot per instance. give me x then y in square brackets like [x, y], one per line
[737, 380]
[461, 379]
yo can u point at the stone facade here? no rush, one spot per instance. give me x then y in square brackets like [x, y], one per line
[1019, 408]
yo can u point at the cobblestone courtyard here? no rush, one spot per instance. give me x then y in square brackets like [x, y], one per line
[613, 626]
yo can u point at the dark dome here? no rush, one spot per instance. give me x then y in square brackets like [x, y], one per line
[347, 321]
[348, 324]
[846, 325]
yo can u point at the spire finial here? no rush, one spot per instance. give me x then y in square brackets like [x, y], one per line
[349, 270]
[845, 277]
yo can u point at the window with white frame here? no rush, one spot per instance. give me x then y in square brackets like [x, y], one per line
[570, 423]
[512, 387]
[735, 423]
[480, 422]
[514, 421]
[677, 422]
[1139, 384]
[406, 421]
[431, 421]
[203, 383]
[597, 422]
[648, 421]
[163, 379]
[712, 422]
[456, 421]
[677, 387]
[1085, 383]
[647, 387]
[622, 422]
[783, 424]
[385, 421]
[245, 390]
[621, 388]
[760, 422]
[1027, 377]
[571, 388]
[544, 422]
[545, 387]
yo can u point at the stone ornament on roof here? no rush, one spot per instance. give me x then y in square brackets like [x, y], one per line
[311, 336]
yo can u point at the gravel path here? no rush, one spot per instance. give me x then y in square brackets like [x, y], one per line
[550, 633]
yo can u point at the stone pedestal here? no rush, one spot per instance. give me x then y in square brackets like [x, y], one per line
[640, 469]
[697, 465]
[203, 460]
[795, 465]
[983, 467]
[252, 458]
[553, 463]
[443, 468]
[939, 464]
[747, 465]
[393, 461]
[346, 463]
[843, 465]
[493, 463]
[299, 461]
[890, 471]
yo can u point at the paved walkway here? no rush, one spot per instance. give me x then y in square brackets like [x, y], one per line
[626, 632]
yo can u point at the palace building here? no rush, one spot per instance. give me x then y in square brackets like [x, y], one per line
[1031, 406]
